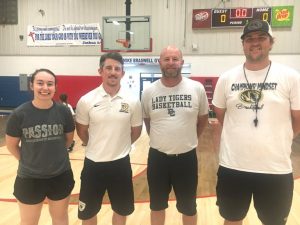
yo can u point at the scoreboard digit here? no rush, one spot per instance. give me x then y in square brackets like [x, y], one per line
[263, 13]
[220, 17]
[240, 13]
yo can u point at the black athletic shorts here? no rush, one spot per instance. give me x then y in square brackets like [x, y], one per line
[115, 177]
[272, 195]
[177, 171]
[33, 191]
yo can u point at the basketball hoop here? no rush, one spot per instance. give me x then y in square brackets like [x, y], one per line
[124, 42]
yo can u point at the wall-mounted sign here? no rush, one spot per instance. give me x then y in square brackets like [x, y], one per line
[282, 16]
[141, 60]
[277, 16]
[64, 35]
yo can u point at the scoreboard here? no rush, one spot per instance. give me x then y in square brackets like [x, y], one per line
[238, 17]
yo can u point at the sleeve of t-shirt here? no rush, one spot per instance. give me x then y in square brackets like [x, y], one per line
[82, 112]
[219, 99]
[203, 102]
[137, 119]
[13, 126]
[70, 125]
[295, 92]
[145, 110]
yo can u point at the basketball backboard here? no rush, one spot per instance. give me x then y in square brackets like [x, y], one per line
[126, 34]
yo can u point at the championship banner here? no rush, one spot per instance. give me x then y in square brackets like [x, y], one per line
[65, 34]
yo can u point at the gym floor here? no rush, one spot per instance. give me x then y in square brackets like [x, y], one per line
[207, 152]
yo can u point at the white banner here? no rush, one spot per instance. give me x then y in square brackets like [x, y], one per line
[65, 34]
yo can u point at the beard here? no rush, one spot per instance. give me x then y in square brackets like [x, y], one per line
[255, 59]
[250, 58]
[171, 72]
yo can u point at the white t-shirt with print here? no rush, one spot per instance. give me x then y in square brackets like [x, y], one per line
[267, 147]
[173, 113]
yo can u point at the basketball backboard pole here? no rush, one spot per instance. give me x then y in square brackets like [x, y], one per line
[128, 13]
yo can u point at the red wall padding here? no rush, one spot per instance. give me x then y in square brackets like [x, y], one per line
[209, 84]
[76, 86]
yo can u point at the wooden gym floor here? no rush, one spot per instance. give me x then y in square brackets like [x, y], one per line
[207, 152]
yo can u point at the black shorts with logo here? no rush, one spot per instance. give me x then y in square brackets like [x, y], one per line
[115, 177]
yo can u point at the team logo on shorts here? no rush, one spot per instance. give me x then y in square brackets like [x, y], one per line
[81, 206]
[124, 108]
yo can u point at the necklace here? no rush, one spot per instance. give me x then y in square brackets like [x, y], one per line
[255, 121]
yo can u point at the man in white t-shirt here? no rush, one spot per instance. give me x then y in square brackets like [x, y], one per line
[175, 111]
[258, 104]
[109, 121]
